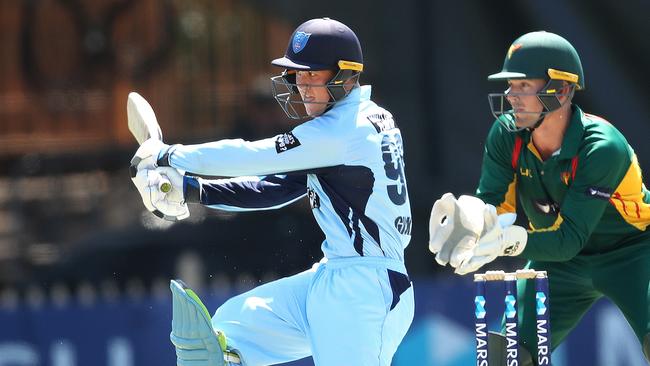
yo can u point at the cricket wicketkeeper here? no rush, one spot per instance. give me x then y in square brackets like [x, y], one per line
[579, 184]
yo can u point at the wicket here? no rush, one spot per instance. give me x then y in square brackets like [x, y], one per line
[510, 312]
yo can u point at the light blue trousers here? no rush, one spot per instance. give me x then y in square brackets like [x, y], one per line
[343, 311]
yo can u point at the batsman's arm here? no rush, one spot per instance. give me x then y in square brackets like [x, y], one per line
[246, 193]
[308, 146]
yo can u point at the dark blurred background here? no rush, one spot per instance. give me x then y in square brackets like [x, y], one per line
[70, 219]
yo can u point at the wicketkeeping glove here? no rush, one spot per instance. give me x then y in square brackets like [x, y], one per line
[455, 226]
[505, 239]
[170, 205]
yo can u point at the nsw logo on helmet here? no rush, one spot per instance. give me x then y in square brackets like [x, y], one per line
[300, 41]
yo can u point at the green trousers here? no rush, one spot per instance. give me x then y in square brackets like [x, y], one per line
[622, 275]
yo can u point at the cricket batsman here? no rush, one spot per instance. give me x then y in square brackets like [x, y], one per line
[577, 180]
[354, 306]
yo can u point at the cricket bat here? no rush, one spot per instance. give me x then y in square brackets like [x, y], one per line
[144, 126]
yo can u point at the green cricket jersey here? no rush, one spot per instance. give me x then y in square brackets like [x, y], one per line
[587, 198]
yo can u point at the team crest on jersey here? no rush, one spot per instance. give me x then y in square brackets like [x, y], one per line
[286, 142]
[299, 41]
[564, 176]
[599, 192]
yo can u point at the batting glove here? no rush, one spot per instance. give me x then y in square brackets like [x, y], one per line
[149, 154]
[169, 205]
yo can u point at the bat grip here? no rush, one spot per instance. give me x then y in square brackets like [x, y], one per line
[164, 185]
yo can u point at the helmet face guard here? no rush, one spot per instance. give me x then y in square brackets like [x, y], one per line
[548, 96]
[285, 91]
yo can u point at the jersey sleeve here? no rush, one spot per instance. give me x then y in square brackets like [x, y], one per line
[313, 144]
[246, 193]
[600, 169]
[498, 180]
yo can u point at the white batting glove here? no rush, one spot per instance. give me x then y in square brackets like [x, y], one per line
[171, 205]
[505, 239]
[455, 226]
[146, 156]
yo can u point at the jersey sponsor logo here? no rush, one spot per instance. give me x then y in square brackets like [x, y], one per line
[382, 121]
[299, 41]
[314, 200]
[546, 207]
[286, 142]
[599, 192]
[525, 172]
[403, 224]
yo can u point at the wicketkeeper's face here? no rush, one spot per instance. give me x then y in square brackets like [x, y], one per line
[522, 96]
[313, 90]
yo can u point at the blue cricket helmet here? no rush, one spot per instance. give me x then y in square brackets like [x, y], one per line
[318, 44]
[322, 44]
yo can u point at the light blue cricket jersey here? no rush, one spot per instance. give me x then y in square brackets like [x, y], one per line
[348, 161]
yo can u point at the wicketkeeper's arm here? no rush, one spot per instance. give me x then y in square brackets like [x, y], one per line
[581, 210]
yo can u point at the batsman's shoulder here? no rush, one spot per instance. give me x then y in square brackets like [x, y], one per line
[321, 131]
[380, 119]
[319, 128]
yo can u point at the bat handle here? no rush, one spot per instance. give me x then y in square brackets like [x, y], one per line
[164, 186]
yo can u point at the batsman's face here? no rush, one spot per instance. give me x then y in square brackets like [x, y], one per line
[522, 95]
[314, 93]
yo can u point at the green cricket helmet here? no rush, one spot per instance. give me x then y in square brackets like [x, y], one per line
[538, 55]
